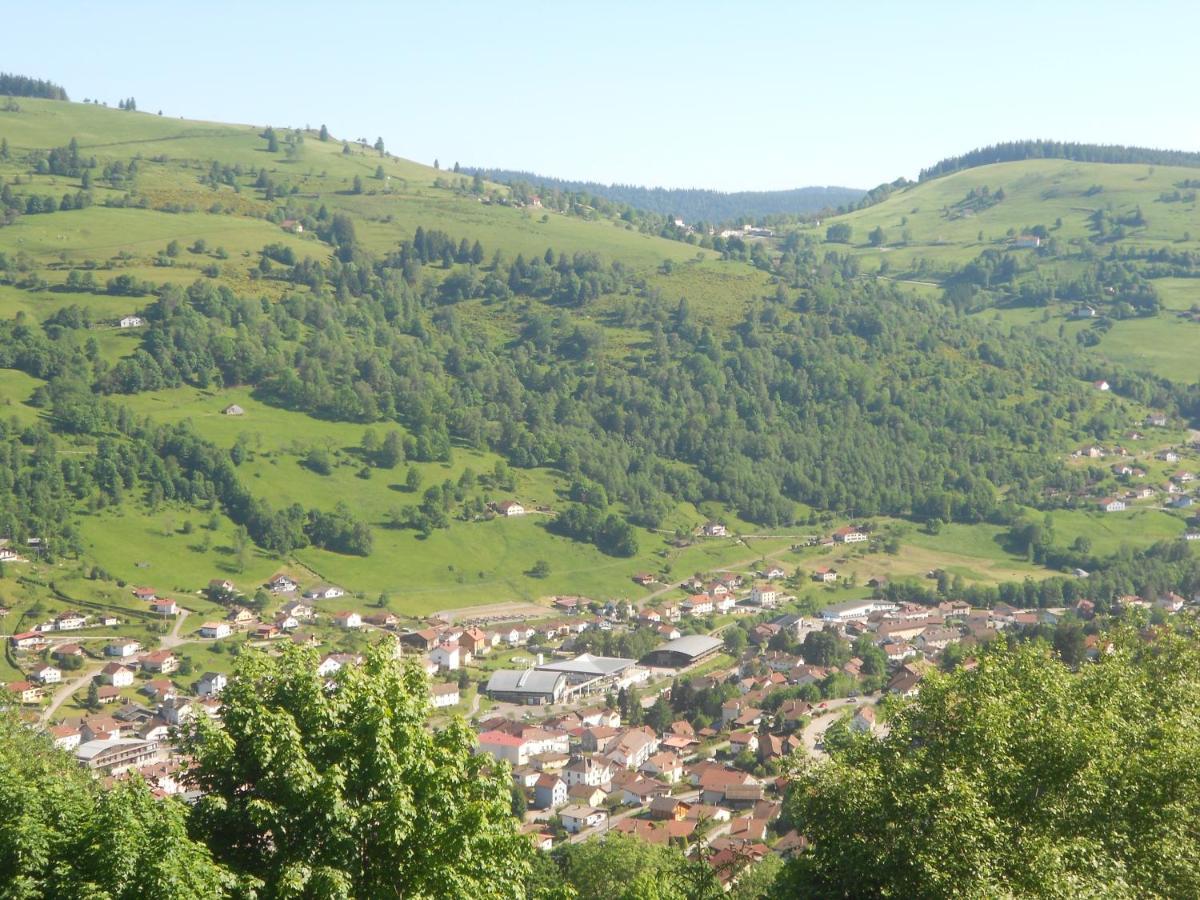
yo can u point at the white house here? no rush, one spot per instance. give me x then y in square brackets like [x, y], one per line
[549, 792]
[855, 610]
[443, 695]
[211, 684]
[447, 656]
[510, 508]
[1111, 504]
[578, 818]
[589, 770]
[132, 321]
[122, 648]
[165, 606]
[47, 674]
[348, 619]
[764, 595]
[215, 630]
[324, 592]
[714, 529]
[117, 675]
[849, 535]
[69, 621]
[281, 584]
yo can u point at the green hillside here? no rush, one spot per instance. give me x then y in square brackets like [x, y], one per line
[408, 347]
[1109, 232]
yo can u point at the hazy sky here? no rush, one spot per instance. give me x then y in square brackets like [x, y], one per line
[724, 95]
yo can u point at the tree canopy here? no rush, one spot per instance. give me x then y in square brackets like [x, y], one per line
[1021, 778]
[340, 790]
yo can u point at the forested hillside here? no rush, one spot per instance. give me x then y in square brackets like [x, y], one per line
[450, 322]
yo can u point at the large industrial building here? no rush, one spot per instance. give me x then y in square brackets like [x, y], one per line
[683, 651]
[528, 686]
[586, 673]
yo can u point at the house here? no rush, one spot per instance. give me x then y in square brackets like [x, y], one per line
[864, 720]
[639, 790]
[447, 656]
[549, 792]
[714, 529]
[849, 535]
[292, 226]
[233, 410]
[633, 748]
[1111, 504]
[825, 574]
[46, 674]
[1158, 420]
[590, 771]
[697, 605]
[23, 691]
[211, 684]
[1183, 502]
[1083, 311]
[645, 579]
[266, 633]
[117, 675]
[8, 554]
[765, 596]
[215, 630]
[510, 508]
[239, 617]
[1101, 385]
[62, 651]
[159, 689]
[324, 592]
[162, 661]
[298, 609]
[443, 695]
[1168, 456]
[122, 648]
[665, 766]
[65, 737]
[26, 640]
[69, 621]
[347, 619]
[221, 586]
[475, 641]
[164, 606]
[668, 808]
[281, 584]
[145, 593]
[132, 322]
[743, 742]
[382, 620]
[579, 818]
[424, 640]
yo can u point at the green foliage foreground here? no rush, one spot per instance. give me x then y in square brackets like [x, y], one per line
[1019, 779]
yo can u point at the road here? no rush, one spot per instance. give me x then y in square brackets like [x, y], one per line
[65, 691]
[687, 797]
[815, 730]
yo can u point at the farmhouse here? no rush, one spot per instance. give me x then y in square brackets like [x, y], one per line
[122, 648]
[443, 695]
[233, 410]
[347, 619]
[714, 529]
[1111, 504]
[510, 508]
[825, 574]
[117, 675]
[849, 535]
[132, 322]
[164, 606]
[324, 592]
[69, 621]
[215, 630]
[578, 818]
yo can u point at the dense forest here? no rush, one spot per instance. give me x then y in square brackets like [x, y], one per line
[692, 204]
[835, 391]
[24, 86]
[1012, 151]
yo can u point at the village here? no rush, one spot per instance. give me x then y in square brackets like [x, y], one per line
[672, 720]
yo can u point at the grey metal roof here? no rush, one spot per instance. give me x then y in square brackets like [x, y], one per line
[587, 664]
[524, 681]
[691, 645]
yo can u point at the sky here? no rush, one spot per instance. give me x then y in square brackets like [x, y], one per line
[729, 96]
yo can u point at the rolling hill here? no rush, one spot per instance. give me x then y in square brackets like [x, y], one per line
[406, 347]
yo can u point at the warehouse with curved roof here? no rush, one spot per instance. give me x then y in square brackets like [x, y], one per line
[683, 651]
